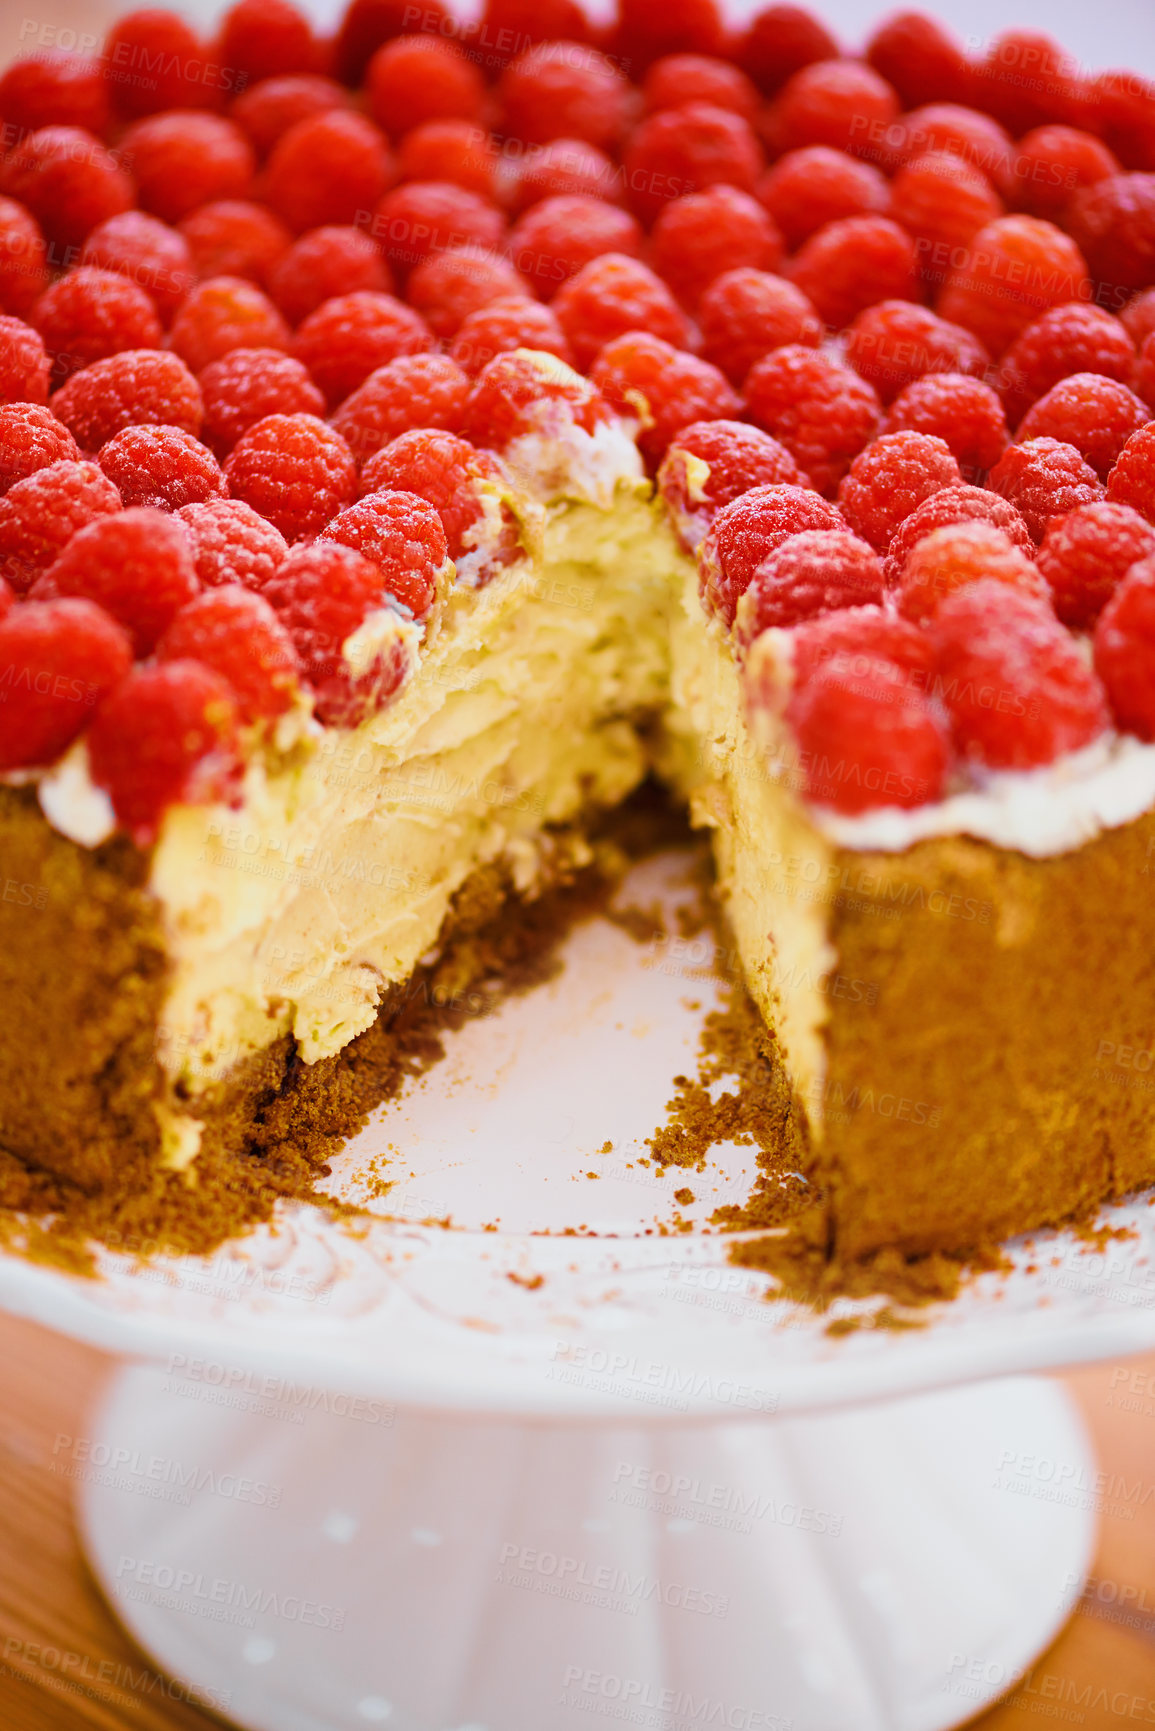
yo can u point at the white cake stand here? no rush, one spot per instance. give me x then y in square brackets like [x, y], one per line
[511, 1480]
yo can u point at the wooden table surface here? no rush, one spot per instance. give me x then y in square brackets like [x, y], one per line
[1099, 1674]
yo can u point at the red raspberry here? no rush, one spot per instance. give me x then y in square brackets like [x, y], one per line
[680, 78]
[89, 314]
[682, 150]
[40, 515]
[854, 636]
[7, 599]
[58, 660]
[166, 736]
[1018, 268]
[161, 467]
[895, 342]
[265, 39]
[917, 56]
[854, 264]
[327, 170]
[672, 388]
[22, 259]
[30, 438]
[948, 559]
[1138, 316]
[1068, 339]
[135, 387]
[822, 412]
[1144, 375]
[154, 61]
[955, 505]
[448, 286]
[265, 111]
[1124, 650]
[647, 32]
[1018, 691]
[414, 79]
[962, 411]
[868, 739]
[699, 237]
[779, 41]
[323, 593]
[839, 103]
[350, 336]
[456, 480]
[293, 469]
[412, 391]
[246, 385]
[237, 634]
[1121, 113]
[610, 296]
[808, 188]
[528, 393]
[460, 151]
[1052, 163]
[747, 531]
[1113, 222]
[510, 26]
[710, 464]
[235, 238]
[1044, 478]
[136, 565]
[223, 314]
[943, 201]
[231, 544]
[940, 127]
[890, 479]
[1095, 415]
[369, 23]
[322, 264]
[746, 313]
[54, 88]
[1087, 553]
[155, 257]
[505, 325]
[812, 573]
[182, 160]
[404, 537]
[427, 216]
[24, 366]
[67, 180]
[554, 239]
[1132, 480]
[1024, 80]
[564, 90]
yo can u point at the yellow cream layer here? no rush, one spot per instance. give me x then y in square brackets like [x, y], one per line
[332, 880]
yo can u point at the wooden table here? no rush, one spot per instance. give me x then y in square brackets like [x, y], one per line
[65, 1662]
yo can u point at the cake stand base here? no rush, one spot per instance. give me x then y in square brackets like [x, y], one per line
[311, 1564]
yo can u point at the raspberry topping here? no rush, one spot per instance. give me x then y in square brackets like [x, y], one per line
[182, 160]
[22, 259]
[610, 296]
[166, 736]
[231, 543]
[809, 574]
[349, 337]
[647, 32]
[850, 265]
[235, 238]
[459, 151]
[854, 636]
[890, 479]
[327, 170]
[867, 738]
[225, 313]
[414, 79]
[555, 238]
[505, 325]
[839, 103]
[955, 505]
[922, 61]
[1052, 163]
[323, 594]
[161, 467]
[150, 253]
[178, 74]
[133, 388]
[1095, 415]
[1044, 478]
[448, 286]
[1124, 650]
[369, 23]
[712, 463]
[237, 634]
[745, 313]
[1113, 223]
[58, 660]
[40, 515]
[295, 471]
[780, 41]
[749, 529]
[697, 238]
[455, 479]
[511, 25]
[1132, 480]
[822, 412]
[892, 344]
[324, 263]
[1018, 268]
[24, 365]
[30, 438]
[1018, 691]
[669, 387]
[246, 385]
[89, 314]
[1086, 554]
[564, 90]
[68, 181]
[412, 391]
[950, 558]
[54, 88]
[1069, 339]
[1025, 79]
[266, 39]
[427, 216]
[943, 201]
[404, 537]
[680, 78]
[265, 111]
[962, 411]
[136, 565]
[529, 392]
[945, 128]
[809, 188]
[682, 150]
[1138, 317]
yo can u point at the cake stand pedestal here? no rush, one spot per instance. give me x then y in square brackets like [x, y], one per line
[328, 1570]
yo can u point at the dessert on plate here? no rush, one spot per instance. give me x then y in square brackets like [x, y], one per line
[414, 439]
